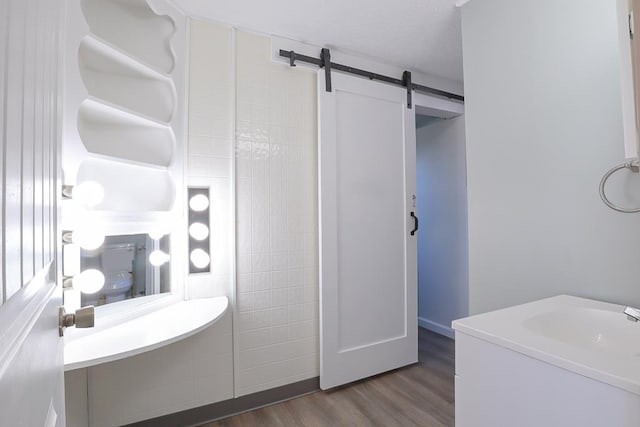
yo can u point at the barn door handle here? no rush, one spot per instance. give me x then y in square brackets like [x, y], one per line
[415, 227]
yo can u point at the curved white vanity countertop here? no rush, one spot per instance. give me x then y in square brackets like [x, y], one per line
[591, 338]
[145, 333]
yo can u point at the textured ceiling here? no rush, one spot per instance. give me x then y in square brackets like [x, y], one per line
[421, 35]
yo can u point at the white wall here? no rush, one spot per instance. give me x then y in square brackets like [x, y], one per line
[442, 238]
[543, 123]
[276, 333]
[210, 148]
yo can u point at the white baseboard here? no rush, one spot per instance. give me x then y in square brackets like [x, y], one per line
[436, 327]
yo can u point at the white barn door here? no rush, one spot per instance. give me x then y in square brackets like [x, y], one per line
[368, 257]
[31, 374]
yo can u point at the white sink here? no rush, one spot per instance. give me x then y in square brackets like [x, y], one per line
[591, 338]
[590, 328]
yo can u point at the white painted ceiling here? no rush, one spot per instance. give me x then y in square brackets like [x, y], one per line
[420, 35]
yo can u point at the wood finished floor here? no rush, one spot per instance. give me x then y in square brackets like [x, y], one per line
[418, 395]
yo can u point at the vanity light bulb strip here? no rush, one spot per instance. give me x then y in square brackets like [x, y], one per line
[198, 223]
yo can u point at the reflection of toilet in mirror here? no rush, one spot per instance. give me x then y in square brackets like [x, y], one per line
[117, 266]
[126, 262]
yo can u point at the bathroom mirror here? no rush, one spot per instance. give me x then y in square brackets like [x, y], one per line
[133, 266]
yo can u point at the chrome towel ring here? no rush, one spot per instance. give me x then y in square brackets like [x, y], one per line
[634, 166]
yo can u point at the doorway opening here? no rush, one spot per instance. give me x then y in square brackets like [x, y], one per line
[443, 274]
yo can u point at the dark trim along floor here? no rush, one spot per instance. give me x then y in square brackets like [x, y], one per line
[226, 408]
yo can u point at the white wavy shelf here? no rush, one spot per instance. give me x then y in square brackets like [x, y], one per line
[145, 333]
[134, 27]
[124, 56]
[126, 110]
[120, 160]
[129, 187]
[112, 132]
[119, 80]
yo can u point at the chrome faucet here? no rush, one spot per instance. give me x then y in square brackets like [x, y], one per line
[633, 314]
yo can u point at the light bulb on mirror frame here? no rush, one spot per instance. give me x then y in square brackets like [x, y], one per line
[199, 202]
[198, 231]
[159, 231]
[88, 193]
[156, 234]
[157, 258]
[89, 281]
[88, 238]
[199, 258]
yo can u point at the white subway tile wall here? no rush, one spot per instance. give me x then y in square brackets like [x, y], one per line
[277, 223]
[210, 148]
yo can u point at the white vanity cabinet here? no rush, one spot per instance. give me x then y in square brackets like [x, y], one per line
[495, 386]
[509, 372]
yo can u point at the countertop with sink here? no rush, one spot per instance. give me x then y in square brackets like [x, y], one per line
[590, 338]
